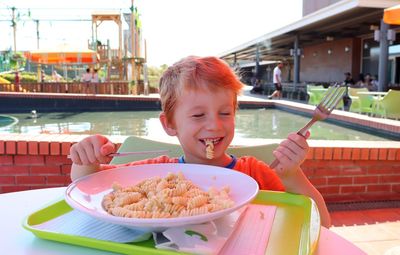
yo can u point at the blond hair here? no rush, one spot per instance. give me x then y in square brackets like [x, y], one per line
[193, 73]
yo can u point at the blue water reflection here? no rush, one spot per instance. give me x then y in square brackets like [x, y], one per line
[257, 123]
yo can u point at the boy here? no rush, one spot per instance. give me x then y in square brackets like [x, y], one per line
[199, 101]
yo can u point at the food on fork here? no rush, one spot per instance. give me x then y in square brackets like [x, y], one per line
[168, 197]
[209, 149]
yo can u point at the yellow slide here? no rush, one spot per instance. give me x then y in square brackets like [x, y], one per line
[2, 80]
[9, 87]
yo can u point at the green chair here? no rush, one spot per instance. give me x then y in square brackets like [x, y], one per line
[356, 102]
[315, 94]
[366, 103]
[388, 106]
[132, 143]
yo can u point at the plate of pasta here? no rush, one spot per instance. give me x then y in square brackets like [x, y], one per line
[154, 197]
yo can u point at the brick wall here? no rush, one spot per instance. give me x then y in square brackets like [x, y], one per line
[320, 66]
[342, 171]
[348, 174]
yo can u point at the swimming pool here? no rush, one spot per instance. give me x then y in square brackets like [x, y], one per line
[7, 121]
[259, 123]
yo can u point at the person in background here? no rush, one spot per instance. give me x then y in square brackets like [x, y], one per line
[348, 82]
[95, 80]
[348, 79]
[199, 100]
[257, 87]
[277, 80]
[42, 76]
[361, 81]
[95, 76]
[374, 84]
[86, 79]
[17, 81]
[369, 84]
[56, 77]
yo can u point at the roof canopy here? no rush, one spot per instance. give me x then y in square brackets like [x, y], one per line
[344, 19]
[63, 54]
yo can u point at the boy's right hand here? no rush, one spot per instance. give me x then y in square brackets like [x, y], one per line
[92, 150]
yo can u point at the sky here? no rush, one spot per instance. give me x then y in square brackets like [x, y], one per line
[173, 29]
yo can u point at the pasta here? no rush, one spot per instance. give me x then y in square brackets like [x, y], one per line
[209, 149]
[171, 196]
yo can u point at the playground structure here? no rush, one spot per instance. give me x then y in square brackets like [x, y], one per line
[125, 62]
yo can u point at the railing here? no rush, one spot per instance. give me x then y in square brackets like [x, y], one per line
[114, 87]
[289, 90]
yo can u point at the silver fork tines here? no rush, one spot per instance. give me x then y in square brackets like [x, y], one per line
[332, 98]
[322, 111]
[325, 107]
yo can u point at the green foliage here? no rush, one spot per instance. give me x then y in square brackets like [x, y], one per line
[154, 74]
[24, 77]
[9, 77]
[17, 60]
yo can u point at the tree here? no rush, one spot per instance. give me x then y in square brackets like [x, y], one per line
[17, 60]
[154, 74]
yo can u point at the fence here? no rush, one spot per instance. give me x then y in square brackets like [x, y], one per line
[117, 87]
[289, 90]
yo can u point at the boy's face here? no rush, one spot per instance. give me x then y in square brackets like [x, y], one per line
[203, 115]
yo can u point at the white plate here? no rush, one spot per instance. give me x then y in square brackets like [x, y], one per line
[85, 194]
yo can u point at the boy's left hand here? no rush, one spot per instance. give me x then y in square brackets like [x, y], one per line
[291, 153]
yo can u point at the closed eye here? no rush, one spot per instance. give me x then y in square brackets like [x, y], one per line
[198, 115]
[225, 113]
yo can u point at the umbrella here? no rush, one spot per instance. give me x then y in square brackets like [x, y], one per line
[392, 15]
[63, 54]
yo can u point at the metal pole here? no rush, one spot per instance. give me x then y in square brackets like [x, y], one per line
[133, 53]
[120, 67]
[92, 43]
[145, 80]
[14, 25]
[383, 57]
[296, 60]
[37, 33]
[257, 67]
[145, 51]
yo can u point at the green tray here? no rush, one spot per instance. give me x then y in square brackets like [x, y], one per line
[296, 216]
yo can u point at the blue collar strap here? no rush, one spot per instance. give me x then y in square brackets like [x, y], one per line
[231, 164]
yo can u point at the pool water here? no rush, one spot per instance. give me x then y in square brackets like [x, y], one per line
[6, 121]
[259, 123]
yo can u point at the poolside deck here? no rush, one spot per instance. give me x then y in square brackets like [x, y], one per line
[375, 231]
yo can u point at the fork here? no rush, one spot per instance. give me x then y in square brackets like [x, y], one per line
[322, 111]
[123, 154]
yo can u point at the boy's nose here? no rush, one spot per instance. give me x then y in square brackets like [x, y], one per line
[214, 123]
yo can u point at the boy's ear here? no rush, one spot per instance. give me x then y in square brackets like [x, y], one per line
[168, 127]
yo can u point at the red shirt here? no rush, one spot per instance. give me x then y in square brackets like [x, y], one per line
[266, 178]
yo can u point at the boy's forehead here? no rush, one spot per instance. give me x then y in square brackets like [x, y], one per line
[207, 89]
[198, 93]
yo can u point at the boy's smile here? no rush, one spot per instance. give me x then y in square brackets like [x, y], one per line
[200, 116]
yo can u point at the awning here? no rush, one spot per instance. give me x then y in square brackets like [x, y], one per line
[343, 19]
[392, 15]
[63, 54]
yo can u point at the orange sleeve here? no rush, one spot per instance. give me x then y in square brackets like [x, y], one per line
[266, 178]
[158, 160]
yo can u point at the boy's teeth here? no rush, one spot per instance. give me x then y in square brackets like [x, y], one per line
[211, 140]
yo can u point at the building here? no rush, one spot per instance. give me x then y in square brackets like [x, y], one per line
[332, 37]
